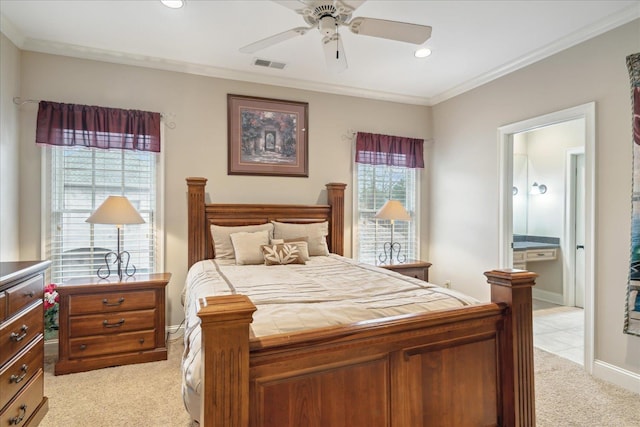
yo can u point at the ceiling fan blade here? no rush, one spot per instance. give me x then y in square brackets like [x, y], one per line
[277, 38]
[393, 30]
[334, 53]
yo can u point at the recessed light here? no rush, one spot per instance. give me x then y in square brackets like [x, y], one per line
[173, 4]
[422, 53]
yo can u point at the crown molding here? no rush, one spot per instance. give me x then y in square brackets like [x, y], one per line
[612, 21]
[76, 51]
[11, 31]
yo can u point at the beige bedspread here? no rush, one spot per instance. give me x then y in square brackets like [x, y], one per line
[328, 290]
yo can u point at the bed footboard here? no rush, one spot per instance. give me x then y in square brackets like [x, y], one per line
[467, 366]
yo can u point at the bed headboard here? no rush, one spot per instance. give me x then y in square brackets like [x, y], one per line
[201, 215]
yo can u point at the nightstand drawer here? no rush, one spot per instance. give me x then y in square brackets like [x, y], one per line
[24, 294]
[111, 344]
[17, 374]
[111, 301]
[16, 334]
[417, 273]
[25, 404]
[111, 323]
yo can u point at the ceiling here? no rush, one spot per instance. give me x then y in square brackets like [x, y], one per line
[473, 42]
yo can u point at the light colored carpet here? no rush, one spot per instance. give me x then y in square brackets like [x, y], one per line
[142, 395]
[148, 395]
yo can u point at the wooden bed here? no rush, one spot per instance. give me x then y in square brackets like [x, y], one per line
[471, 366]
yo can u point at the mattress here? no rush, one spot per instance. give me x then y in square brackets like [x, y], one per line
[326, 291]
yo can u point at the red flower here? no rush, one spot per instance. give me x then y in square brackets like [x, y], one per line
[51, 297]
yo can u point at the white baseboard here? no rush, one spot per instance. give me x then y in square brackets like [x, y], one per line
[548, 296]
[51, 347]
[175, 331]
[615, 375]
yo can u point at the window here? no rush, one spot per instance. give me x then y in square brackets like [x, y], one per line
[375, 184]
[387, 168]
[90, 153]
[78, 180]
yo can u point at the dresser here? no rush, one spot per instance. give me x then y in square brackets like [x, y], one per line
[22, 343]
[109, 322]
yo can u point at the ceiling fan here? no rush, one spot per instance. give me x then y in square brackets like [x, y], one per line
[328, 16]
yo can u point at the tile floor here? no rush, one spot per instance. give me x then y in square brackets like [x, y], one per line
[559, 330]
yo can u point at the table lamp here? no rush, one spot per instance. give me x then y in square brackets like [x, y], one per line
[116, 210]
[393, 211]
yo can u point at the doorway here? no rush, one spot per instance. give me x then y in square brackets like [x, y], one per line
[570, 240]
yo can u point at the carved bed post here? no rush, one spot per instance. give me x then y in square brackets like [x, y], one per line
[335, 199]
[513, 287]
[224, 397]
[196, 220]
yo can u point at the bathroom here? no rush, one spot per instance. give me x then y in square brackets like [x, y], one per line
[548, 210]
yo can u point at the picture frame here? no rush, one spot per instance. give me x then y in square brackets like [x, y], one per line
[267, 136]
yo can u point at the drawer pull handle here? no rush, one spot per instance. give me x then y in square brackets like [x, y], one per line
[112, 304]
[14, 421]
[141, 340]
[539, 254]
[16, 379]
[29, 294]
[16, 337]
[83, 346]
[106, 324]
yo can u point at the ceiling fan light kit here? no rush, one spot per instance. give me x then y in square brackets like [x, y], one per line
[328, 16]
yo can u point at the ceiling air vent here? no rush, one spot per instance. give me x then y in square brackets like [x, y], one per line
[269, 64]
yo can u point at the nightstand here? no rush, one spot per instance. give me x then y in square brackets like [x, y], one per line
[411, 268]
[105, 322]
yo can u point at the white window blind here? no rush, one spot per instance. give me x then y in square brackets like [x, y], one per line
[375, 184]
[78, 180]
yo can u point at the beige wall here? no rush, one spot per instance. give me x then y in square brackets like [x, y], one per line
[198, 144]
[464, 189]
[9, 137]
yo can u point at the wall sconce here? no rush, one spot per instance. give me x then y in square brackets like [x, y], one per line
[538, 188]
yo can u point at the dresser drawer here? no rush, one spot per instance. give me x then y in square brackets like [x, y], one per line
[26, 293]
[15, 375]
[16, 334]
[3, 306]
[111, 344]
[111, 301]
[25, 404]
[110, 323]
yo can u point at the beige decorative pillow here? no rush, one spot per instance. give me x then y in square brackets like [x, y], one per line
[222, 240]
[315, 234]
[247, 246]
[282, 254]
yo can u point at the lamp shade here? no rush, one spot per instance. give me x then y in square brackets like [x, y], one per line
[116, 210]
[393, 210]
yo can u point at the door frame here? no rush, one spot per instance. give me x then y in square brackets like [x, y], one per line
[569, 246]
[505, 225]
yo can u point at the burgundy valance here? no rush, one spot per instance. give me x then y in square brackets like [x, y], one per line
[376, 149]
[97, 127]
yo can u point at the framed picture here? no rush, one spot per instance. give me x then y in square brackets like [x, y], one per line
[267, 136]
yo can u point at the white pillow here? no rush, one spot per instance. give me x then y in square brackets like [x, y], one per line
[222, 242]
[248, 246]
[314, 232]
